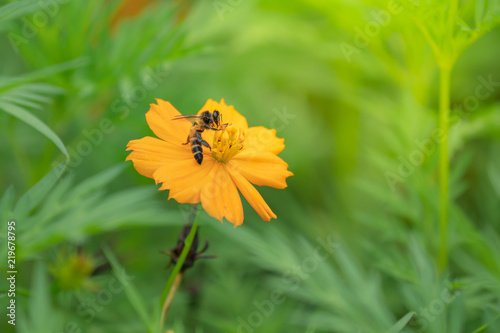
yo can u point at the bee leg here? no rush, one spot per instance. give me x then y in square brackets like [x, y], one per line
[203, 142]
[187, 141]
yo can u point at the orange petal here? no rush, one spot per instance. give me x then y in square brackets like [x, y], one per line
[251, 194]
[220, 198]
[262, 138]
[262, 168]
[184, 178]
[150, 153]
[229, 114]
[160, 120]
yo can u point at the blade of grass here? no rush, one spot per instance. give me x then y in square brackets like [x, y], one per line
[401, 324]
[38, 192]
[36, 123]
[7, 82]
[133, 295]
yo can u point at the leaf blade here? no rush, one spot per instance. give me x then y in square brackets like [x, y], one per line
[36, 123]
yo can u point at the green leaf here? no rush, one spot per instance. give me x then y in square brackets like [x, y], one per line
[34, 122]
[16, 9]
[481, 329]
[43, 73]
[40, 297]
[133, 295]
[494, 178]
[98, 181]
[30, 95]
[38, 192]
[7, 204]
[463, 24]
[22, 322]
[89, 207]
[401, 324]
[40, 309]
[479, 12]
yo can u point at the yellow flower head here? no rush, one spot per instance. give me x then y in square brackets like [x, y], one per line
[239, 156]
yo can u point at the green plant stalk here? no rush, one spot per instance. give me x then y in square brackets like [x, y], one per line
[170, 298]
[444, 163]
[177, 268]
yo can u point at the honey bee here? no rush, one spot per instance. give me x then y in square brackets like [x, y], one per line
[205, 120]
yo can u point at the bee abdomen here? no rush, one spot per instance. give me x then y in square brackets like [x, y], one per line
[197, 152]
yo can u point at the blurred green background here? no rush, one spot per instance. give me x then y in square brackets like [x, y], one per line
[352, 86]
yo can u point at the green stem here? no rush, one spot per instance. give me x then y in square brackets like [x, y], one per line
[444, 163]
[170, 297]
[177, 268]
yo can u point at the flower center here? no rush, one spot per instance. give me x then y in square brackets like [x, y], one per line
[227, 143]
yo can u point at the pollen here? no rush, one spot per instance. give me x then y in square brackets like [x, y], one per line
[227, 143]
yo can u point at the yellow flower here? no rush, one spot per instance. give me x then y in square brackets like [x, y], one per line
[73, 271]
[240, 156]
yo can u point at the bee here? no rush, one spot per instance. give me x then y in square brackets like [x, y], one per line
[205, 121]
[193, 253]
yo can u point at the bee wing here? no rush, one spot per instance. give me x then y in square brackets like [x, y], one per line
[187, 116]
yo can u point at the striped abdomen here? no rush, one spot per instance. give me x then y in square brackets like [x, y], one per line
[196, 149]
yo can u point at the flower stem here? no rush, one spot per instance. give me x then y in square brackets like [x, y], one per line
[170, 297]
[176, 275]
[444, 163]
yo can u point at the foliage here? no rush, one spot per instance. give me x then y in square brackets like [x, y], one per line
[354, 89]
